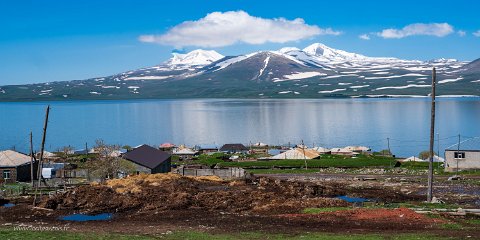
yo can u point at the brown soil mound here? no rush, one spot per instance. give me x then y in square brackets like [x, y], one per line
[159, 192]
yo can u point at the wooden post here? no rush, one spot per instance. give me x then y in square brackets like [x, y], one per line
[458, 153]
[432, 139]
[31, 160]
[40, 162]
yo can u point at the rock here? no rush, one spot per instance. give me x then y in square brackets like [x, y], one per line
[436, 200]
[454, 178]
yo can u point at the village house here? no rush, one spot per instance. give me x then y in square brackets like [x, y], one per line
[167, 147]
[149, 159]
[184, 153]
[463, 157]
[15, 167]
[358, 149]
[206, 149]
[342, 151]
[297, 153]
[259, 148]
[234, 148]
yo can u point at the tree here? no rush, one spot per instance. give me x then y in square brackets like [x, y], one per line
[107, 163]
[128, 148]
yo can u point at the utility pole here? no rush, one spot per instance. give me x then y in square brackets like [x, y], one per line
[432, 136]
[388, 144]
[40, 162]
[31, 159]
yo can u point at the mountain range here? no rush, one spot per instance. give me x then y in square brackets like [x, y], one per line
[316, 71]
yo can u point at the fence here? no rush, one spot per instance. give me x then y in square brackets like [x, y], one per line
[224, 173]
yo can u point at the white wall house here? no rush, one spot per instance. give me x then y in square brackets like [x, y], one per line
[463, 157]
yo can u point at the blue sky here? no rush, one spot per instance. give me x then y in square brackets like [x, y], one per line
[58, 40]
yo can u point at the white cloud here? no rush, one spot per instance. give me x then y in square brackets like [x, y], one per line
[219, 29]
[477, 33]
[461, 33]
[364, 37]
[429, 29]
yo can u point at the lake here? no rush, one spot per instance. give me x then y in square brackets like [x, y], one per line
[318, 122]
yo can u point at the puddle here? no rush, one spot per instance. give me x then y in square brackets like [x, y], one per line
[85, 217]
[353, 199]
[8, 205]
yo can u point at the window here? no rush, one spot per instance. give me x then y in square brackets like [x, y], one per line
[6, 174]
[459, 155]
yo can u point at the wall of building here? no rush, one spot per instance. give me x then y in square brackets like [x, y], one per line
[141, 169]
[24, 172]
[471, 161]
[13, 175]
[165, 167]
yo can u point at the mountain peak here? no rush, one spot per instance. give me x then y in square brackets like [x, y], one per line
[197, 57]
[322, 50]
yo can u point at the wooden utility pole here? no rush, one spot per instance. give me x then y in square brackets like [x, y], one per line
[432, 139]
[40, 162]
[31, 160]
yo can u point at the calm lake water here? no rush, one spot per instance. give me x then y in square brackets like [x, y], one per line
[325, 122]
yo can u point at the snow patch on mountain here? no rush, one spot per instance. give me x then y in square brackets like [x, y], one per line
[148, 78]
[403, 87]
[267, 59]
[195, 58]
[302, 75]
[332, 91]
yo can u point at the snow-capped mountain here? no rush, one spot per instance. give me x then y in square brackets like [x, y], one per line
[194, 59]
[330, 54]
[315, 71]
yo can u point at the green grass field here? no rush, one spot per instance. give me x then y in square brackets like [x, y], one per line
[323, 162]
[8, 234]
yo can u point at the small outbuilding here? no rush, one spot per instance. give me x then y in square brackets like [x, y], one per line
[463, 157]
[149, 159]
[206, 149]
[15, 167]
[234, 148]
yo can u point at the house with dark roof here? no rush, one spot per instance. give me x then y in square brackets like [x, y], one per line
[463, 156]
[149, 160]
[206, 149]
[234, 148]
[15, 167]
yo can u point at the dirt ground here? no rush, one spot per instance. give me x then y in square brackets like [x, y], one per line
[155, 204]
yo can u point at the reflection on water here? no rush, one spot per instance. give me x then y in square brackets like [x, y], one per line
[326, 122]
[85, 217]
